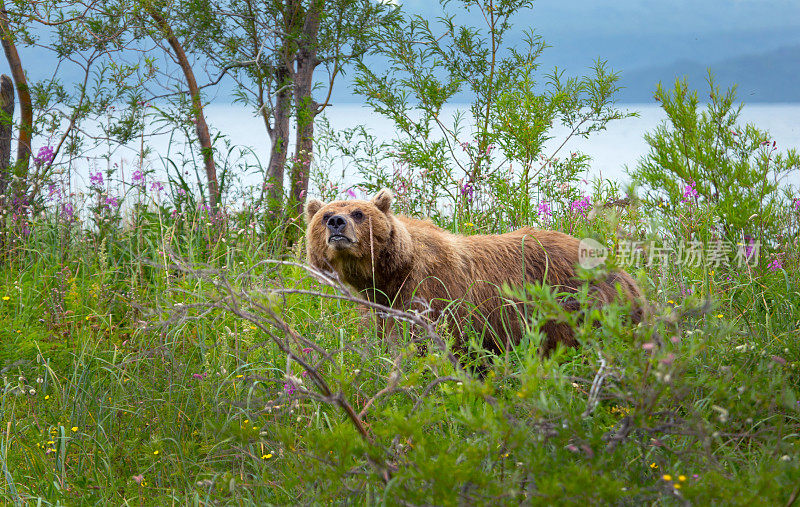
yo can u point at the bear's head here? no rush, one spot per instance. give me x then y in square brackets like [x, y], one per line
[347, 230]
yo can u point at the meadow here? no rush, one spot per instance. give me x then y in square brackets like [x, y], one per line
[158, 351]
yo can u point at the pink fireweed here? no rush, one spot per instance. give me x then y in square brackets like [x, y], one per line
[582, 205]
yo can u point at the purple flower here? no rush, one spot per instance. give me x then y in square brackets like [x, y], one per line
[181, 192]
[157, 186]
[796, 204]
[351, 193]
[544, 210]
[112, 202]
[45, 156]
[750, 247]
[199, 376]
[467, 190]
[96, 179]
[582, 205]
[138, 177]
[775, 265]
[67, 211]
[689, 192]
[288, 388]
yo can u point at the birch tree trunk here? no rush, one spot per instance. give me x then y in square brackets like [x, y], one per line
[201, 126]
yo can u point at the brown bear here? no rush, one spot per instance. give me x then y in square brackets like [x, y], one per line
[398, 261]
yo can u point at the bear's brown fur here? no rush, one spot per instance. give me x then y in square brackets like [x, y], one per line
[393, 260]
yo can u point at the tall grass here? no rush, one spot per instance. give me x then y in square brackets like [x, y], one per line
[130, 378]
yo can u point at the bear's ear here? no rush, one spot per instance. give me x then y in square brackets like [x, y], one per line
[312, 206]
[383, 200]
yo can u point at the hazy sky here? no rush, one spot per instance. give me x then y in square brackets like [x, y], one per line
[629, 34]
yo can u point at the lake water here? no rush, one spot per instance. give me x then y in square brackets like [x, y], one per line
[612, 150]
[621, 145]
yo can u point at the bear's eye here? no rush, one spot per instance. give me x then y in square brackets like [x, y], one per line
[357, 216]
[326, 217]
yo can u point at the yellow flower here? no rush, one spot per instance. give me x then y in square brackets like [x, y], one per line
[653, 466]
[719, 315]
[155, 453]
[469, 224]
[666, 477]
[676, 486]
[671, 302]
[239, 376]
[6, 298]
[681, 478]
[246, 421]
[266, 456]
[74, 428]
[47, 397]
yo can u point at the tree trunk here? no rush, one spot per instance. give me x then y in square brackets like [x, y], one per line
[6, 122]
[279, 136]
[306, 108]
[203, 135]
[25, 105]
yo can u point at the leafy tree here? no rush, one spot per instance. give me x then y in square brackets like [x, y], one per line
[272, 49]
[469, 160]
[703, 155]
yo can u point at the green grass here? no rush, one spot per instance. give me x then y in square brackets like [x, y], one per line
[128, 381]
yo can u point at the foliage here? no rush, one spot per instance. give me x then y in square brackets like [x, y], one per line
[704, 156]
[497, 151]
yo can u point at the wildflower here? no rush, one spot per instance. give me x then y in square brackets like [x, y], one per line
[719, 315]
[288, 388]
[469, 224]
[45, 156]
[266, 456]
[351, 193]
[775, 265]
[74, 429]
[544, 210]
[199, 376]
[112, 202]
[682, 478]
[689, 192]
[666, 477]
[96, 179]
[581, 205]
[796, 204]
[155, 453]
[47, 397]
[156, 186]
[67, 211]
[6, 298]
[138, 177]
[239, 376]
[653, 466]
[676, 485]
[467, 190]
[138, 479]
[307, 350]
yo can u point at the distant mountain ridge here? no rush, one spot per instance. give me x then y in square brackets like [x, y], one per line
[772, 76]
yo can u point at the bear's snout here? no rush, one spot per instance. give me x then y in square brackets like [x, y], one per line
[337, 224]
[337, 229]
